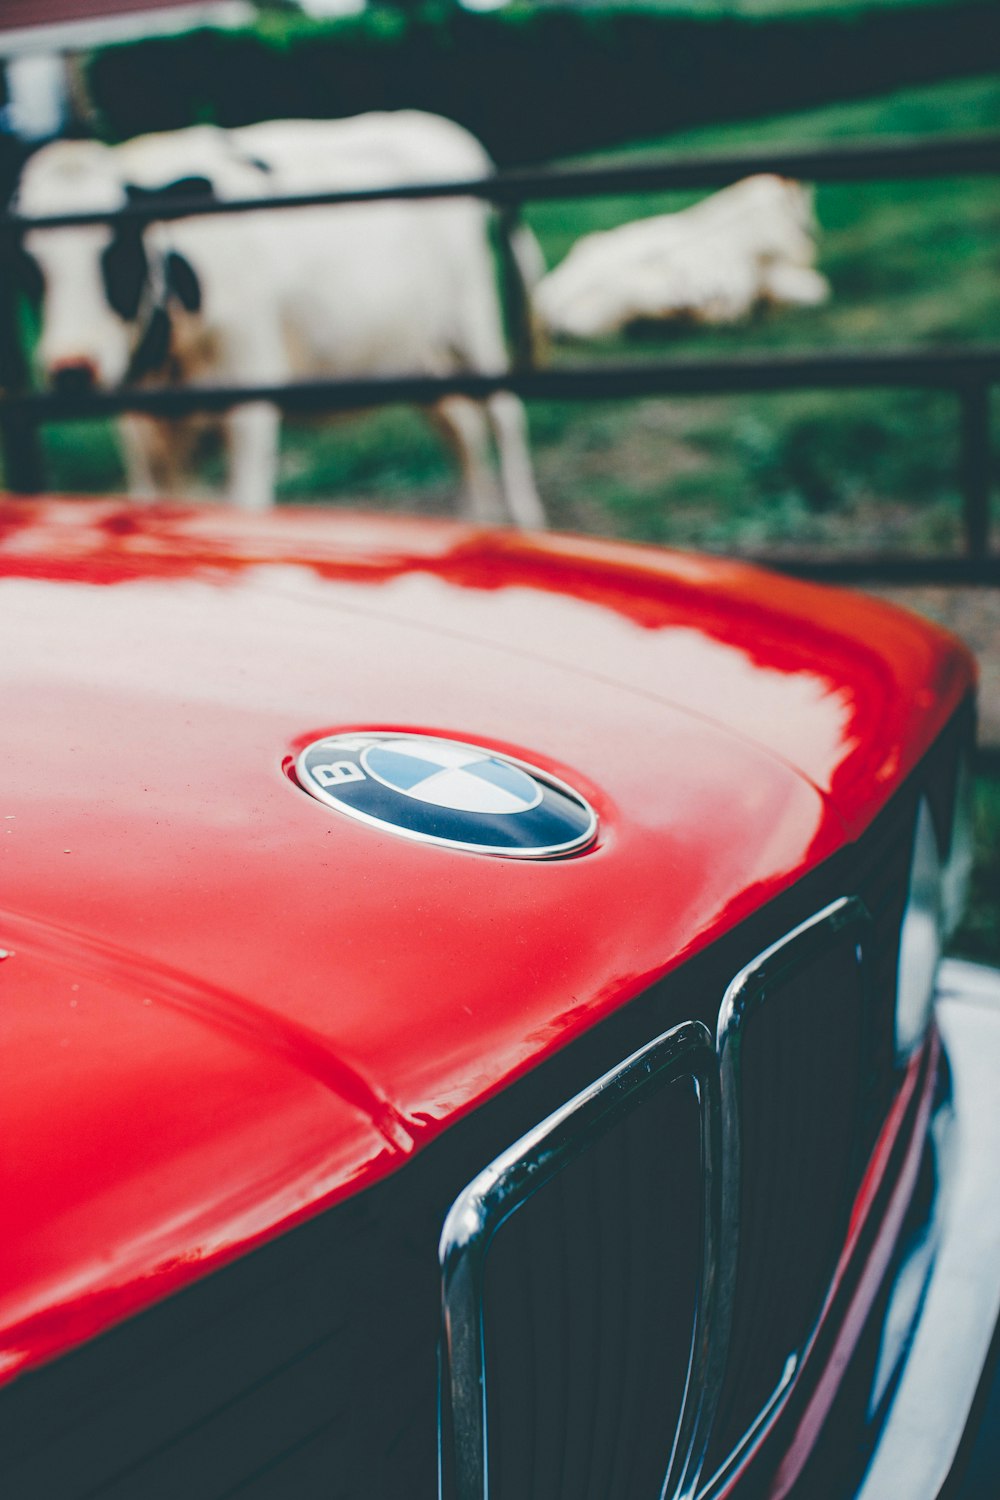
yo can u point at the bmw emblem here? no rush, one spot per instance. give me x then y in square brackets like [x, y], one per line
[446, 792]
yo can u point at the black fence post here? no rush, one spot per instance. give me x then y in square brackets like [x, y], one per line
[975, 468]
[19, 441]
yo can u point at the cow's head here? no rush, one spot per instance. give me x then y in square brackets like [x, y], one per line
[108, 290]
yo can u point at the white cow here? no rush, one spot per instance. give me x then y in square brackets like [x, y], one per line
[394, 288]
[750, 243]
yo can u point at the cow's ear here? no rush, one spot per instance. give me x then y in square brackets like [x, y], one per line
[124, 268]
[182, 281]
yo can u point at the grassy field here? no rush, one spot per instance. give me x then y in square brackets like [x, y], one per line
[774, 7]
[908, 262]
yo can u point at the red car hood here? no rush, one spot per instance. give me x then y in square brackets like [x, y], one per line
[224, 1004]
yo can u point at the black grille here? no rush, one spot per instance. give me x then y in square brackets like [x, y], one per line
[801, 1080]
[589, 1309]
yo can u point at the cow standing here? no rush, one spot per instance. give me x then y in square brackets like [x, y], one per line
[390, 288]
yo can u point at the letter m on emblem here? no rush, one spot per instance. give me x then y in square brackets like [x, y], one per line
[338, 772]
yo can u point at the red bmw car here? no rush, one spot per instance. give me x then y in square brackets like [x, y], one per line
[472, 1021]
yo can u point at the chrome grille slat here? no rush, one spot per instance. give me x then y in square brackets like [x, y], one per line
[793, 1079]
[591, 1400]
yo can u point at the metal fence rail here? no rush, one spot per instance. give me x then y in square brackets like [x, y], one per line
[967, 373]
[863, 161]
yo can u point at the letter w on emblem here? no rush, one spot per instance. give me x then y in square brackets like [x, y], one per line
[338, 772]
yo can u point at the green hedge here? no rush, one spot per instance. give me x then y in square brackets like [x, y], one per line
[534, 84]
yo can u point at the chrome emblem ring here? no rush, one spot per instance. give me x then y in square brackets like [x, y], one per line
[446, 792]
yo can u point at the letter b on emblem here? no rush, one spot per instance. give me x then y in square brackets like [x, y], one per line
[338, 772]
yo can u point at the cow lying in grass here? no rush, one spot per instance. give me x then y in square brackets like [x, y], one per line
[393, 288]
[749, 244]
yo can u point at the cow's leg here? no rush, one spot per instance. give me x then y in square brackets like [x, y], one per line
[159, 457]
[252, 352]
[517, 476]
[137, 437]
[479, 345]
[463, 423]
[252, 434]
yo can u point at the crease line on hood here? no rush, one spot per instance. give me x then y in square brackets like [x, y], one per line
[246, 1020]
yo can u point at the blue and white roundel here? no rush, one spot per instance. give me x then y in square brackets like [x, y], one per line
[444, 792]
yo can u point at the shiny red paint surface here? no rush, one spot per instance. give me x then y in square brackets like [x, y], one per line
[226, 1005]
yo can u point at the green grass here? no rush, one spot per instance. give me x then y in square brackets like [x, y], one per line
[773, 7]
[979, 935]
[82, 457]
[908, 262]
[777, 7]
[390, 457]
